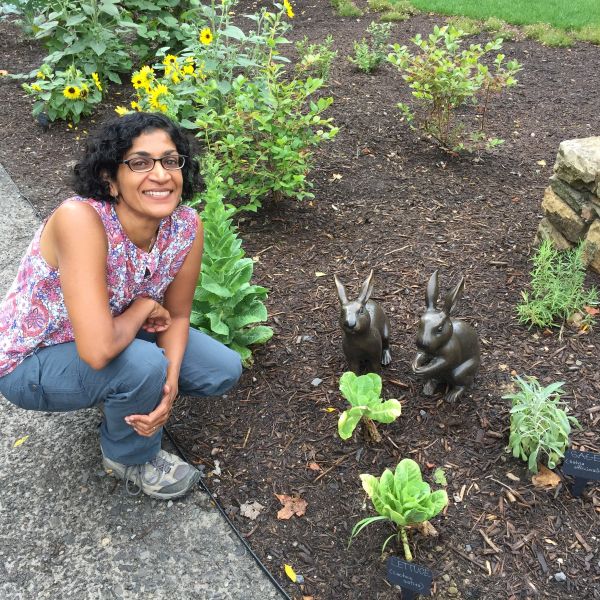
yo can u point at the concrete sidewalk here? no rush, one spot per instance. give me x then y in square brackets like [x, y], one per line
[67, 530]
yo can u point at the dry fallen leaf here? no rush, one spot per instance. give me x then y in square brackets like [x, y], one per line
[330, 409]
[313, 466]
[545, 478]
[3, 72]
[335, 176]
[512, 477]
[292, 505]
[542, 163]
[319, 274]
[20, 441]
[251, 510]
[590, 310]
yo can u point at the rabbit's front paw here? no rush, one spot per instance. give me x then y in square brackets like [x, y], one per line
[430, 387]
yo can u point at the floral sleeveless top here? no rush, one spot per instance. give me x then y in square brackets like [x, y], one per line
[33, 313]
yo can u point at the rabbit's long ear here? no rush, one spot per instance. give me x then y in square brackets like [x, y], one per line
[341, 290]
[433, 290]
[453, 296]
[367, 289]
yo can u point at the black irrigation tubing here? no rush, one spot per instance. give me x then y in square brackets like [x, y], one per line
[233, 527]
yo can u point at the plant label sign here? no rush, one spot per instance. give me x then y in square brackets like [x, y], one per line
[413, 579]
[583, 466]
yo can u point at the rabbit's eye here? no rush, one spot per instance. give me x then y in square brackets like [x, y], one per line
[362, 310]
[440, 329]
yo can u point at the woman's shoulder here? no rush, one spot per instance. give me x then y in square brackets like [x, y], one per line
[76, 211]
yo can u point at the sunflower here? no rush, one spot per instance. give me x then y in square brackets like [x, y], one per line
[147, 72]
[288, 8]
[138, 80]
[135, 105]
[97, 81]
[206, 36]
[169, 60]
[188, 69]
[175, 78]
[121, 110]
[72, 92]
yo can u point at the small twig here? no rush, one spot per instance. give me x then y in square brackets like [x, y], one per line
[335, 464]
[472, 560]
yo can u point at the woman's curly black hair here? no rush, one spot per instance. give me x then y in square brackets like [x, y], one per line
[106, 148]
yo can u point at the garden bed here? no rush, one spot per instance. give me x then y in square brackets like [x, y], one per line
[385, 200]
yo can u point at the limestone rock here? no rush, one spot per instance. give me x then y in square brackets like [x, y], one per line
[562, 216]
[578, 161]
[591, 253]
[574, 198]
[547, 231]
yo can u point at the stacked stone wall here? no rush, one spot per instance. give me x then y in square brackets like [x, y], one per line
[572, 200]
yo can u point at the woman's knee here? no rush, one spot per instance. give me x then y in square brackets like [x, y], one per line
[140, 364]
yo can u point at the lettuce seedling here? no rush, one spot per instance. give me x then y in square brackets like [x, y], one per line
[364, 394]
[402, 498]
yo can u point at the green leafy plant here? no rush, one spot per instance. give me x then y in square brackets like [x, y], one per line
[364, 394]
[548, 35]
[445, 78]
[226, 305]
[346, 8]
[90, 33]
[465, 24]
[369, 54]
[403, 498]
[67, 95]
[315, 59]
[557, 288]
[260, 124]
[539, 425]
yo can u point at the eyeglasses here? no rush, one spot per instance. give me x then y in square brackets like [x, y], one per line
[143, 164]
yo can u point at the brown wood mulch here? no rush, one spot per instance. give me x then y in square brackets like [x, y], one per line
[387, 201]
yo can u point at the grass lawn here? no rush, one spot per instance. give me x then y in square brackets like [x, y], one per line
[574, 14]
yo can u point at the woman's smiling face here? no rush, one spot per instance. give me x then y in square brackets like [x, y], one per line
[153, 194]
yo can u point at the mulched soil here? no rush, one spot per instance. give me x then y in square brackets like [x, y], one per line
[388, 201]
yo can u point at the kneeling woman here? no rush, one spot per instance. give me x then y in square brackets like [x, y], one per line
[99, 311]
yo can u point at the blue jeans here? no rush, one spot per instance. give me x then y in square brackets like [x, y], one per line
[55, 379]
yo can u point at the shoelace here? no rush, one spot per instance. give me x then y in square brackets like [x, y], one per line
[159, 463]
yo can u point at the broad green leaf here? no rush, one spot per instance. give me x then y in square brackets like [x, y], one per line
[348, 421]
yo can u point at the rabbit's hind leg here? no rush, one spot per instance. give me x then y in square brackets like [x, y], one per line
[386, 356]
[456, 392]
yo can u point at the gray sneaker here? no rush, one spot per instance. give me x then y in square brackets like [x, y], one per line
[166, 476]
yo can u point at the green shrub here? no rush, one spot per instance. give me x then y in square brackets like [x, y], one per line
[380, 5]
[346, 8]
[226, 305]
[368, 55]
[548, 35]
[393, 15]
[67, 95]
[258, 121]
[403, 498]
[364, 394]
[315, 59]
[444, 78]
[557, 288]
[538, 425]
[466, 25]
[493, 24]
[589, 33]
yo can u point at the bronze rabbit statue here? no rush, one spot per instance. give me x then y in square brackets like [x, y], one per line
[448, 348]
[366, 341]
